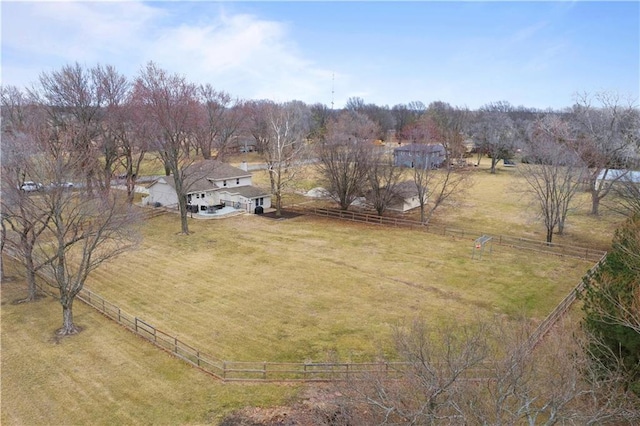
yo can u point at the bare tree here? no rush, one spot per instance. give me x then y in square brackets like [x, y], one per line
[22, 220]
[219, 119]
[554, 172]
[495, 132]
[74, 105]
[627, 191]
[20, 209]
[283, 146]
[115, 127]
[486, 374]
[424, 389]
[84, 231]
[452, 124]
[607, 137]
[169, 103]
[383, 177]
[435, 186]
[406, 114]
[345, 154]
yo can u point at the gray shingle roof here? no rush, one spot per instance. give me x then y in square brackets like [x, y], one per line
[200, 175]
[247, 191]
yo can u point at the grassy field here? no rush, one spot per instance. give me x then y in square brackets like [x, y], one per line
[105, 375]
[249, 288]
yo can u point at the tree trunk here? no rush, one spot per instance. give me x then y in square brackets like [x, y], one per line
[561, 227]
[182, 206]
[32, 289]
[549, 235]
[494, 162]
[595, 203]
[278, 204]
[68, 327]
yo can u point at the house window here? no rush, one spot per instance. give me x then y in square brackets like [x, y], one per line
[203, 208]
[202, 196]
[197, 195]
[237, 181]
[259, 201]
[224, 183]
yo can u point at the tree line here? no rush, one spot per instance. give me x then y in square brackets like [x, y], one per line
[86, 125]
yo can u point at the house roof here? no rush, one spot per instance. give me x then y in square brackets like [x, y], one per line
[215, 170]
[402, 190]
[196, 186]
[621, 174]
[421, 148]
[201, 175]
[407, 189]
[246, 191]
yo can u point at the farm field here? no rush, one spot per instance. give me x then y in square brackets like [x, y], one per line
[254, 289]
[249, 288]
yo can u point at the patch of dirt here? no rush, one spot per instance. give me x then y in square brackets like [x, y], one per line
[318, 406]
[284, 214]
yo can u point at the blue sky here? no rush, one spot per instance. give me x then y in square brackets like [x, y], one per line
[537, 54]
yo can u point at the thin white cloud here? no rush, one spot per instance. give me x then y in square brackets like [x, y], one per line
[239, 53]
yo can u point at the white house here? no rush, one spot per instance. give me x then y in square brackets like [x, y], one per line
[618, 175]
[210, 185]
[406, 197]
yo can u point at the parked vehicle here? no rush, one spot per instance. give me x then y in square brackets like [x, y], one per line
[30, 186]
[63, 185]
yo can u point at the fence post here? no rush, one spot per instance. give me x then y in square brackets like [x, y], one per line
[135, 324]
[198, 357]
[119, 320]
[224, 370]
[264, 370]
[175, 344]
[103, 309]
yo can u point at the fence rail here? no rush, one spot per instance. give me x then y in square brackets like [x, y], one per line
[586, 253]
[311, 371]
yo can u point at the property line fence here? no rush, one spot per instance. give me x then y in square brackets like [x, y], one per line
[586, 253]
[307, 371]
[562, 308]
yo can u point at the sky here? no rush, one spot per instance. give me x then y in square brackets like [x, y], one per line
[537, 54]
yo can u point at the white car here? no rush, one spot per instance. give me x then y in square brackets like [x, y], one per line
[30, 186]
[63, 185]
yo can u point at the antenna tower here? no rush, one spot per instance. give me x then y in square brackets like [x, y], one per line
[332, 88]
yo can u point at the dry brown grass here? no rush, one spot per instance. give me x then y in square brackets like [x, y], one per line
[249, 288]
[105, 375]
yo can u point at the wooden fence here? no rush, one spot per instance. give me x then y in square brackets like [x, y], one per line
[294, 371]
[562, 308]
[315, 371]
[586, 253]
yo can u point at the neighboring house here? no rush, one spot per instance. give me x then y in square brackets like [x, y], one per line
[405, 198]
[419, 155]
[619, 175]
[210, 185]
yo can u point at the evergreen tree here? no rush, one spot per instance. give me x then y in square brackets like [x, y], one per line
[612, 308]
